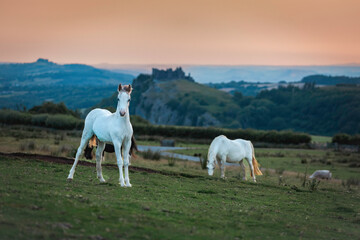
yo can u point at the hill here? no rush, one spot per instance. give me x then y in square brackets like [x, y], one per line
[176, 101]
[323, 111]
[331, 80]
[78, 86]
[45, 72]
[250, 88]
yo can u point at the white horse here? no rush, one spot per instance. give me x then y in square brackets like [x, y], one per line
[112, 128]
[233, 151]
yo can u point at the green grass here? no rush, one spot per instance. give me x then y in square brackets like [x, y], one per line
[37, 202]
[320, 139]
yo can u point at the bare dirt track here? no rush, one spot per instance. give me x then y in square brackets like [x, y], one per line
[64, 160]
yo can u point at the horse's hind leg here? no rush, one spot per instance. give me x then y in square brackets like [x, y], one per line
[249, 159]
[99, 156]
[243, 169]
[84, 140]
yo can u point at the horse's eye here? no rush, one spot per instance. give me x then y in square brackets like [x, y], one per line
[129, 100]
[118, 99]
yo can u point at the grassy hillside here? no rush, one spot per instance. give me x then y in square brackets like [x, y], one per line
[197, 98]
[170, 199]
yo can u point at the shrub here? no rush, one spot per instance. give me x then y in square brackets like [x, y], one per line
[14, 117]
[39, 120]
[278, 137]
[342, 138]
[279, 171]
[27, 146]
[203, 162]
[152, 155]
[62, 122]
[353, 181]
[313, 184]
[171, 161]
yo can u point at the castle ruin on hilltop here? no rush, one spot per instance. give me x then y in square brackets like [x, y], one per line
[169, 74]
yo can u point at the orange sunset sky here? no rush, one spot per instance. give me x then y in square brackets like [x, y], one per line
[258, 32]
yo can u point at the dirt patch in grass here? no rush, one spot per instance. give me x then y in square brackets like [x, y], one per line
[64, 160]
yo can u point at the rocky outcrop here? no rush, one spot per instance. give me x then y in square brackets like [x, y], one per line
[151, 101]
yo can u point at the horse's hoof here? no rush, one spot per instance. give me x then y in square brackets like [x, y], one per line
[128, 185]
[69, 179]
[122, 184]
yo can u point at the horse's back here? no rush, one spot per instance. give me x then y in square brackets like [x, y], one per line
[221, 145]
[95, 114]
[233, 150]
[243, 143]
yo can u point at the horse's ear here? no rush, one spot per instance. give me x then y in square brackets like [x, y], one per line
[130, 89]
[119, 88]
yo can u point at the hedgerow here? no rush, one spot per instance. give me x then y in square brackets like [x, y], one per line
[68, 122]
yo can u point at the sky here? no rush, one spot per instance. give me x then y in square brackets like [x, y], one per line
[214, 32]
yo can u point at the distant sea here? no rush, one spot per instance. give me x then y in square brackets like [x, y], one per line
[217, 74]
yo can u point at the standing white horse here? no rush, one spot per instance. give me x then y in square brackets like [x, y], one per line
[112, 128]
[233, 151]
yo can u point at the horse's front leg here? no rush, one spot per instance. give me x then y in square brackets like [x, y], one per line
[117, 147]
[99, 155]
[126, 149]
[222, 167]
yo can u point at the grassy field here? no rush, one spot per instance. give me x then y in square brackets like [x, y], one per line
[37, 202]
[179, 202]
[321, 139]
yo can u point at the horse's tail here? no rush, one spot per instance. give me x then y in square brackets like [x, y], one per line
[133, 147]
[92, 141]
[255, 162]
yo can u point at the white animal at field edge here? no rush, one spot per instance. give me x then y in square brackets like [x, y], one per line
[112, 128]
[321, 174]
[225, 150]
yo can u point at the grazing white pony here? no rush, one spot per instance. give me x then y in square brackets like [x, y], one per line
[112, 128]
[321, 174]
[225, 150]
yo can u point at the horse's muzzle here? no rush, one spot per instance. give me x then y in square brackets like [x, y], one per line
[122, 113]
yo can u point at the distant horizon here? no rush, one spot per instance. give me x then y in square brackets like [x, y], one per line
[227, 73]
[181, 64]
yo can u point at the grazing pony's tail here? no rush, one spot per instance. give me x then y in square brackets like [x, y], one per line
[255, 163]
[92, 141]
[133, 147]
